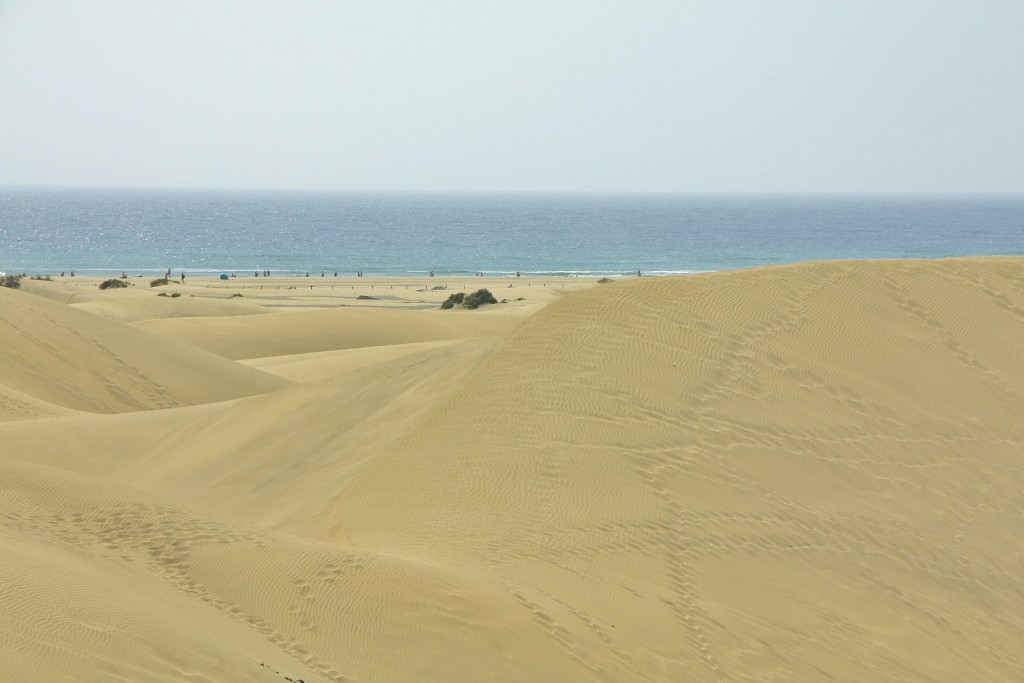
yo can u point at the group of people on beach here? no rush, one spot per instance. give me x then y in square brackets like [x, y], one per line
[266, 273]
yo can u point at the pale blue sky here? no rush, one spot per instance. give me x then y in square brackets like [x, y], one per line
[641, 96]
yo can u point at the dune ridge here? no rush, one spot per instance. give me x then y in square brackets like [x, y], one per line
[790, 473]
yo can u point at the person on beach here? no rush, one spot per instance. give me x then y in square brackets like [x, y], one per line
[183, 278]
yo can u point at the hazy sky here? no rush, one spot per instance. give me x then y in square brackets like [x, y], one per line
[560, 95]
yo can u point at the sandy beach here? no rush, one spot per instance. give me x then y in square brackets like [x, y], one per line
[800, 472]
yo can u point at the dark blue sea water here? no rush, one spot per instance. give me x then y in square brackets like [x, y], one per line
[146, 231]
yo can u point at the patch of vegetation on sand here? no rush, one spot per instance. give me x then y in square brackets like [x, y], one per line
[453, 300]
[159, 282]
[113, 283]
[12, 281]
[471, 301]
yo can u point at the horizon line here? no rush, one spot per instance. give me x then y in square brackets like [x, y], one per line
[511, 192]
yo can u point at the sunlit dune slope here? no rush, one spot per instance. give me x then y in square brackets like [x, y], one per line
[102, 583]
[278, 334]
[62, 356]
[789, 473]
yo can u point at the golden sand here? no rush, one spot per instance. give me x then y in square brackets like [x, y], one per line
[804, 472]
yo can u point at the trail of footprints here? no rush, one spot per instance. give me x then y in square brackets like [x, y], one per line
[163, 538]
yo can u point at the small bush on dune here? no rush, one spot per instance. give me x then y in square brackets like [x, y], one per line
[113, 283]
[453, 300]
[12, 281]
[474, 300]
[159, 281]
[45, 278]
[479, 298]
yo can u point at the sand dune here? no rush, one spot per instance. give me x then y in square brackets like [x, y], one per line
[17, 405]
[278, 334]
[312, 367]
[102, 583]
[794, 473]
[299, 446]
[59, 355]
[139, 301]
[791, 472]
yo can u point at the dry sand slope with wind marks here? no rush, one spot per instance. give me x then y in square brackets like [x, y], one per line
[803, 472]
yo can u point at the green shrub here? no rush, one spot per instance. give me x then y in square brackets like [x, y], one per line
[113, 283]
[453, 300]
[12, 281]
[474, 300]
[45, 278]
[159, 281]
[479, 298]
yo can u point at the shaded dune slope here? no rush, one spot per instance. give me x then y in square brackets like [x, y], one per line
[62, 356]
[792, 473]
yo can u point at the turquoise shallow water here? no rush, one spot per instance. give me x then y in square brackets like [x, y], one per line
[146, 231]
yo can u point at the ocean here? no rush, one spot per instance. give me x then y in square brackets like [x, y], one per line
[142, 232]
